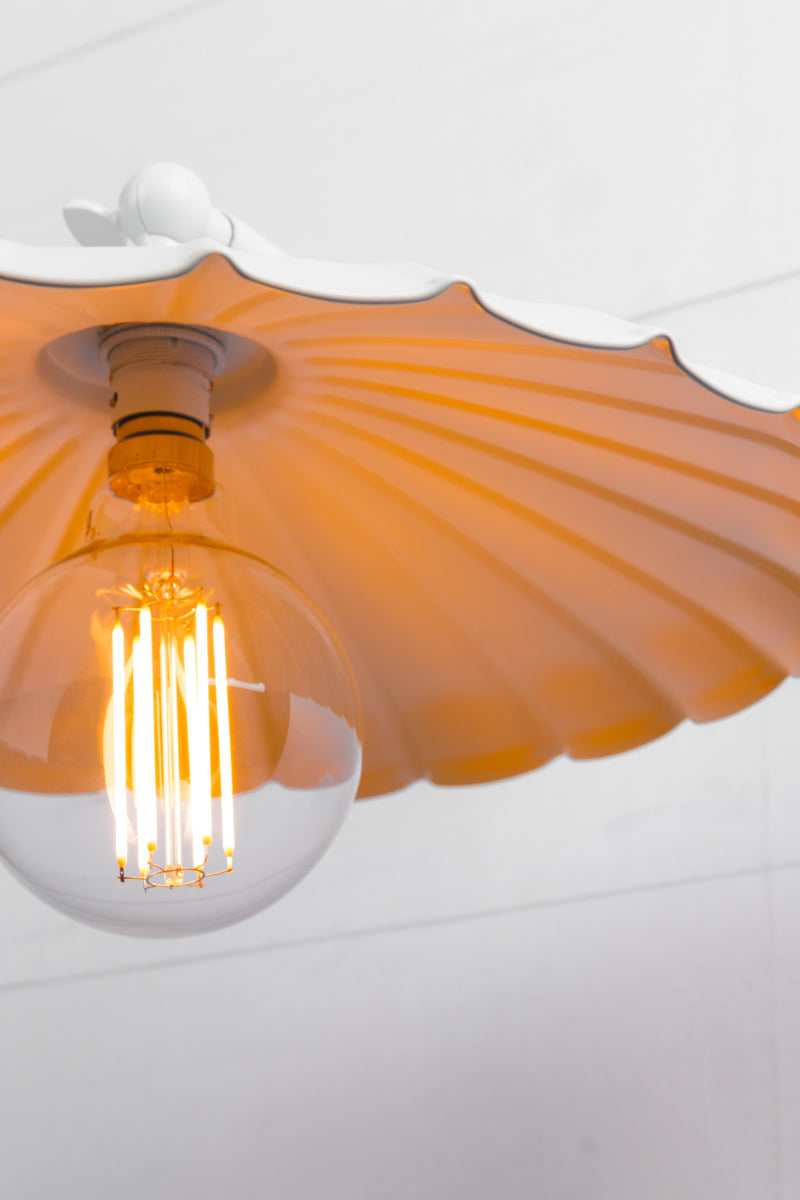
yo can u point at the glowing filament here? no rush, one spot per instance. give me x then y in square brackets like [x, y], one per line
[174, 745]
[202, 780]
[224, 736]
[144, 757]
[169, 755]
[161, 700]
[195, 751]
[120, 757]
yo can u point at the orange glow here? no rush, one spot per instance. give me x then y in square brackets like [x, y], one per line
[224, 736]
[120, 763]
[171, 757]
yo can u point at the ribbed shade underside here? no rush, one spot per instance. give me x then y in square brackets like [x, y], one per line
[527, 547]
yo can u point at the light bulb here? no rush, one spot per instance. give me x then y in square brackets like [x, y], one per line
[179, 726]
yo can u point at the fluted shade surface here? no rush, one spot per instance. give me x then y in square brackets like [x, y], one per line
[527, 546]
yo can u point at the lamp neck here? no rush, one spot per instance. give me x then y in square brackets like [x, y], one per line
[162, 377]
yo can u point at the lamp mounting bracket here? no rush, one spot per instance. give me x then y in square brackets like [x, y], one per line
[164, 204]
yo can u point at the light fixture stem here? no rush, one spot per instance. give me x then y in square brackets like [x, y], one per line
[162, 377]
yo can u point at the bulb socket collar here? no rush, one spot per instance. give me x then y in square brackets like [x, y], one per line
[158, 468]
[162, 377]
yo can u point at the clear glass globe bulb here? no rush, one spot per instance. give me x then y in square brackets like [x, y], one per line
[179, 731]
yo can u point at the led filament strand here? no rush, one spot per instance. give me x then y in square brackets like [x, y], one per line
[120, 797]
[224, 726]
[162, 694]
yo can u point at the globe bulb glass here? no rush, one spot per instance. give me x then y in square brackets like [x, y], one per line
[179, 729]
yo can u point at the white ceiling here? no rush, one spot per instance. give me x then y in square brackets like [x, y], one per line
[580, 985]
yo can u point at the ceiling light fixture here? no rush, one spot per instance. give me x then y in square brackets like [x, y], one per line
[533, 530]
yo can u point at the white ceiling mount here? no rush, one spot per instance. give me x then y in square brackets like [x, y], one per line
[163, 204]
[75, 367]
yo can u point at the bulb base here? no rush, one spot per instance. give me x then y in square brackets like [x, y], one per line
[160, 467]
